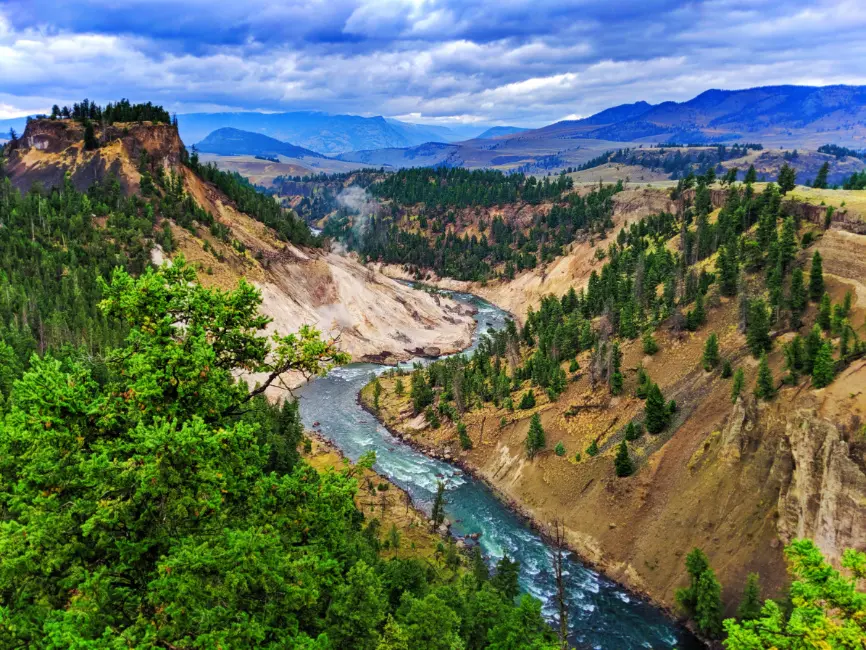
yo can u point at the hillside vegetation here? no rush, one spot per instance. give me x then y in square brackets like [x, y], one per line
[702, 389]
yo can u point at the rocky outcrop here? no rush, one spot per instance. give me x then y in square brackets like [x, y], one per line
[825, 497]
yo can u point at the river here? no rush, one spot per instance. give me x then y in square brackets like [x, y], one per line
[601, 613]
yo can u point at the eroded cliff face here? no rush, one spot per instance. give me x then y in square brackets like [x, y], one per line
[373, 316]
[824, 497]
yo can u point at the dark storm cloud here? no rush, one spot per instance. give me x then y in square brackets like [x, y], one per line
[510, 61]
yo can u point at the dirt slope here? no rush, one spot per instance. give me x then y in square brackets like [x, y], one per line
[374, 317]
[738, 480]
[572, 269]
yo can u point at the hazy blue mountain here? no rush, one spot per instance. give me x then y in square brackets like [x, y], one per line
[322, 132]
[235, 142]
[498, 131]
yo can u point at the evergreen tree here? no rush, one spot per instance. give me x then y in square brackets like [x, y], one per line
[559, 450]
[527, 401]
[90, 141]
[798, 298]
[592, 450]
[656, 415]
[765, 387]
[702, 598]
[505, 578]
[816, 278]
[711, 352]
[438, 513]
[622, 463]
[737, 385]
[758, 328]
[633, 431]
[813, 344]
[727, 370]
[535, 438]
[825, 311]
[728, 269]
[615, 380]
[787, 179]
[824, 368]
[821, 178]
[399, 389]
[751, 176]
[750, 605]
[650, 346]
[393, 636]
[787, 242]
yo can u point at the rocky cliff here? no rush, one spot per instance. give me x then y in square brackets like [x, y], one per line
[375, 317]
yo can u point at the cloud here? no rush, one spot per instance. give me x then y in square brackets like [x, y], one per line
[443, 61]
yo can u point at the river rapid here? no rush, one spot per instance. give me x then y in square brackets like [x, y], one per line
[602, 614]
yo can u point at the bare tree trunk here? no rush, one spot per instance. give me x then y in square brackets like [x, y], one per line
[557, 531]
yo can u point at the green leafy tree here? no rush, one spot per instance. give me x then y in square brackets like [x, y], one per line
[393, 636]
[430, 624]
[622, 462]
[826, 608]
[357, 609]
[824, 368]
[750, 605]
[523, 628]
[765, 386]
[711, 352]
[656, 414]
[816, 278]
[535, 438]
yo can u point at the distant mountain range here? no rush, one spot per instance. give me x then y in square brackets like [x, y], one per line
[328, 134]
[769, 114]
[499, 131]
[234, 142]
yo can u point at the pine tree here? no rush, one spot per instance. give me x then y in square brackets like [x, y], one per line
[751, 175]
[615, 381]
[787, 242]
[633, 431]
[399, 389]
[824, 368]
[622, 463]
[816, 278]
[765, 388]
[825, 313]
[729, 270]
[527, 401]
[505, 579]
[702, 598]
[592, 450]
[750, 605]
[758, 328]
[821, 178]
[649, 343]
[727, 370]
[656, 415]
[813, 344]
[90, 141]
[787, 178]
[711, 352]
[535, 438]
[737, 385]
[798, 298]
[437, 515]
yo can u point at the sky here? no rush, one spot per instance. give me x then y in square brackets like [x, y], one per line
[448, 62]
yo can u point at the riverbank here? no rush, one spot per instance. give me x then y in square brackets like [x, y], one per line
[527, 515]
